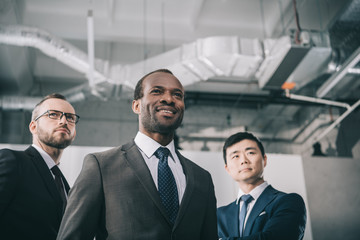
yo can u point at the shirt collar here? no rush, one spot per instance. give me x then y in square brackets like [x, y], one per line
[48, 160]
[149, 146]
[255, 193]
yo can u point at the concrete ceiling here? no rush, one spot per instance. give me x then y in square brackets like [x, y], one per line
[143, 34]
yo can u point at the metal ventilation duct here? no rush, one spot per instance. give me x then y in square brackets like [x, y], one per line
[197, 61]
[200, 60]
[282, 60]
[53, 47]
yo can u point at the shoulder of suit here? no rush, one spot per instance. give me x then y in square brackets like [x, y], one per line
[13, 153]
[288, 197]
[115, 151]
[107, 153]
[227, 207]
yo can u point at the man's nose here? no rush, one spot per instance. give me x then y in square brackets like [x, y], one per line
[243, 158]
[63, 119]
[167, 97]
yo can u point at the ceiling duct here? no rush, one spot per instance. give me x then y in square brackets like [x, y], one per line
[53, 47]
[199, 61]
[301, 63]
[282, 59]
[228, 56]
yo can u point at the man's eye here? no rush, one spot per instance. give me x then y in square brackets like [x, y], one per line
[179, 95]
[155, 91]
[54, 114]
[70, 117]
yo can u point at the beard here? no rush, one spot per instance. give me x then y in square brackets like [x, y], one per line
[152, 124]
[51, 141]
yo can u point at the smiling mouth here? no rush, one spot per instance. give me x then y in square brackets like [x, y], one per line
[168, 111]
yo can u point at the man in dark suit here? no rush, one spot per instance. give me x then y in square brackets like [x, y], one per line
[144, 189]
[32, 188]
[260, 211]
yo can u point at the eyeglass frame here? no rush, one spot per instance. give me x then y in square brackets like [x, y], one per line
[62, 114]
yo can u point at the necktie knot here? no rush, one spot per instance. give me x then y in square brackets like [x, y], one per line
[162, 153]
[56, 171]
[246, 198]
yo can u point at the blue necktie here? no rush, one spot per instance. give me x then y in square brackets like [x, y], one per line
[167, 185]
[247, 199]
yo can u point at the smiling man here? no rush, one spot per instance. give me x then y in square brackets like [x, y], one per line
[144, 189]
[32, 188]
[260, 212]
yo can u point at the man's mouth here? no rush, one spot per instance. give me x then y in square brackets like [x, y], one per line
[63, 130]
[166, 110]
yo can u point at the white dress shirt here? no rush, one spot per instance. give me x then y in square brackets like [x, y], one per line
[148, 147]
[48, 160]
[255, 193]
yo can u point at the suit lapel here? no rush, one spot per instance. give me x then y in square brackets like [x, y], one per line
[232, 219]
[141, 170]
[45, 175]
[265, 198]
[189, 175]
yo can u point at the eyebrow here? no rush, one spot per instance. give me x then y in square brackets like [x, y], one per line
[250, 148]
[246, 149]
[174, 89]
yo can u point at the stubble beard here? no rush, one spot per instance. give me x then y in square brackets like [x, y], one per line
[152, 124]
[50, 140]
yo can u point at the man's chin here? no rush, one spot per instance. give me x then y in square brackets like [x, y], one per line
[59, 145]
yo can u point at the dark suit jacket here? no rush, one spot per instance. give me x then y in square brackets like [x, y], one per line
[275, 215]
[30, 204]
[115, 197]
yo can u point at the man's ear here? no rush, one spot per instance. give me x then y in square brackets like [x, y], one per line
[227, 169]
[136, 106]
[265, 160]
[32, 127]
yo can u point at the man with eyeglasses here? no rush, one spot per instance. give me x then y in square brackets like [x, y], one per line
[33, 191]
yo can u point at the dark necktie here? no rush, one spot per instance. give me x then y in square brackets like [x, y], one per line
[167, 185]
[247, 199]
[59, 184]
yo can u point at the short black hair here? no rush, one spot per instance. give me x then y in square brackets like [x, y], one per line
[138, 93]
[238, 137]
[50, 96]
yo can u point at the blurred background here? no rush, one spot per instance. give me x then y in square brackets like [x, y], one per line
[286, 70]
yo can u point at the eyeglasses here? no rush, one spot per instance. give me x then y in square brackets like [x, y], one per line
[57, 115]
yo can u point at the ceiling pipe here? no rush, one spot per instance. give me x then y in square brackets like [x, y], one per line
[317, 100]
[339, 75]
[90, 44]
[349, 109]
[11, 103]
[337, 121]
[18, 103]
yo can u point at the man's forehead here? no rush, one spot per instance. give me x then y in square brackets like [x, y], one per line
[162, 79]
[56, 104]
[245, 144]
